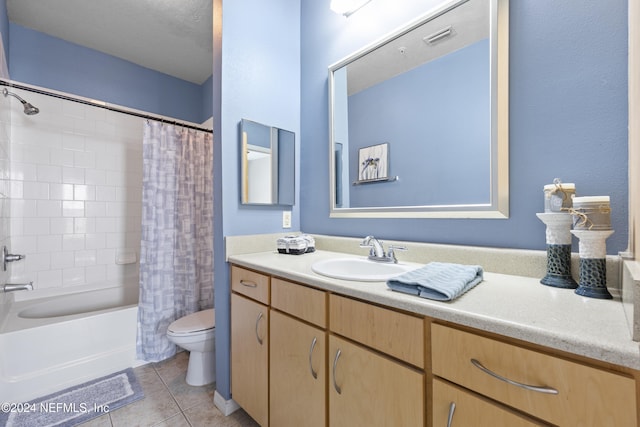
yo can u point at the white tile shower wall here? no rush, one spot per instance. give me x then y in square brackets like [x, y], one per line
[75, 193]
[5, 189]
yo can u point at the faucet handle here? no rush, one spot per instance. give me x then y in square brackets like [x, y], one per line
[391, 252]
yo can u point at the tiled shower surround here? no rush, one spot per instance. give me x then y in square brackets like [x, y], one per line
[5, 117]
[75, 187]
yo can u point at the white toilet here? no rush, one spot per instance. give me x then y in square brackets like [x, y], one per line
[195, 332]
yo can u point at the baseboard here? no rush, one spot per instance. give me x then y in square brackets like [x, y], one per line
[227, 407]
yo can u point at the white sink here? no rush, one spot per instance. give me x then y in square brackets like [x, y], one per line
[359, 269]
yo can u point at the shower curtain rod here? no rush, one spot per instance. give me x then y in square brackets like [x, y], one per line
[106, 107]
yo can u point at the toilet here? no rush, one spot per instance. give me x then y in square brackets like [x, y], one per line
[195, 333]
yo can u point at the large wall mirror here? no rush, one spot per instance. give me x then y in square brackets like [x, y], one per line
[419, 120]
[267, 164]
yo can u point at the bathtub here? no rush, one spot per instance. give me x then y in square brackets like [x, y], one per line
[50, 342]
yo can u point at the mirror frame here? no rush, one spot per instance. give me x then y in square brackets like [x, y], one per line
[498, 207]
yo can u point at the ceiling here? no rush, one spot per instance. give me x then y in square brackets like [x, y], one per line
[174, 37]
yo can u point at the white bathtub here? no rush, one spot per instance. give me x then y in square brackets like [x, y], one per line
[49, 343]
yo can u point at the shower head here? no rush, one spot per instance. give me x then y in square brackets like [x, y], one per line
[29, 109]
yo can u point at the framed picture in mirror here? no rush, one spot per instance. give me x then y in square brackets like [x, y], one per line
[373, 163]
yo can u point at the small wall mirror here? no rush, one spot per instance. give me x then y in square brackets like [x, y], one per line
[268, 164]
[419, 119]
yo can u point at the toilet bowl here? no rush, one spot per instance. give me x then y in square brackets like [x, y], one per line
[195, 333]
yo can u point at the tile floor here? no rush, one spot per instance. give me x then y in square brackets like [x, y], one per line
[169, 401]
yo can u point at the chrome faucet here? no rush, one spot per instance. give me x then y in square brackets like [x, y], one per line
[12, 287]
[377, 250]
[377, 253]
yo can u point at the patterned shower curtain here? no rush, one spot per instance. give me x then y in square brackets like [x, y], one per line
[176, 253]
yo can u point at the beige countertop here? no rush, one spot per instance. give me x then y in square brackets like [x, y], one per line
[513, 306]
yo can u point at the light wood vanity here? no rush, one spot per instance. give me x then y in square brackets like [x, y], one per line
[305, 351]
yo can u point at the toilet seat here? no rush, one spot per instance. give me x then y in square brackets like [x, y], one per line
[198, 322]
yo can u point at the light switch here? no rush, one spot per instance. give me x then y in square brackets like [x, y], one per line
[286, 219]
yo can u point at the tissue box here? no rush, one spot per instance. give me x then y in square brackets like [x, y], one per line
[296, 245]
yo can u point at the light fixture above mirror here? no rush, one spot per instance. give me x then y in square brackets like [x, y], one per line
[347, 7]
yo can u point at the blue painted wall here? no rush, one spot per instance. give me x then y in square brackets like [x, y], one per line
[568, 116]
[259, 61]
[261, 82]
[45, 61]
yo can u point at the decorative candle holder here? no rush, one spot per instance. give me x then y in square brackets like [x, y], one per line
[593, 263]
[558, 237]
[558, 196]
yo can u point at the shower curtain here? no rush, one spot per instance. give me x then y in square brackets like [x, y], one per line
[176, 252]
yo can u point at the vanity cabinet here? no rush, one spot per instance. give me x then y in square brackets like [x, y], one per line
[250, 342]
[298, 355]
[301, 355]
[376, 365]
[546, 386]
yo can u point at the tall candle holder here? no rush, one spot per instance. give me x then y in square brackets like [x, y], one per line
[558, 238]
[593, 263]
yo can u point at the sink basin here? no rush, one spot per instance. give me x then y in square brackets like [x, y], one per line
[358, 269]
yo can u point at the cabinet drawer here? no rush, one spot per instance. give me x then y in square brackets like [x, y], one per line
[471, 409]
[250, 283]
[300, 301]
[585, 395]
[397, 334]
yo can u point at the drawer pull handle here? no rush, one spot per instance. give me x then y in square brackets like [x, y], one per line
[313, 345]
[260, 316]
[452, 409]
[539, 389]
[248, 284]
[335, 363]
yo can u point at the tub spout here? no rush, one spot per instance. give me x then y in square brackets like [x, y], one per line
[12, 287]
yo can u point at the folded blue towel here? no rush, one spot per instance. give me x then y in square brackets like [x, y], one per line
[438, 280]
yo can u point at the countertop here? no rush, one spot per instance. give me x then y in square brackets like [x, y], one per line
[513, 306]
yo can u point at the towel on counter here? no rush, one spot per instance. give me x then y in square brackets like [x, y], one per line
[438, 280]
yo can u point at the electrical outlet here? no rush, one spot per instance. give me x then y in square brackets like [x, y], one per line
[286, 219]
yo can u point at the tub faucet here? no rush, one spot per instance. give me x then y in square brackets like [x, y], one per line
[12, 287]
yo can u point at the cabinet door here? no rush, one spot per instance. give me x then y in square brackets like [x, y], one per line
[368, 389]
[455, 407]
[250, 357]
[298, 373]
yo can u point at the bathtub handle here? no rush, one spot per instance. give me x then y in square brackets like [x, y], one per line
[248, 284]
[260, 316]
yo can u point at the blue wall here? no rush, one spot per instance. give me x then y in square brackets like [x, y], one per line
[568, 116]
[45, 61]
[259, 61]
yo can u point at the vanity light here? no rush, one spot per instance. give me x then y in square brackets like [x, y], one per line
[347, 7]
